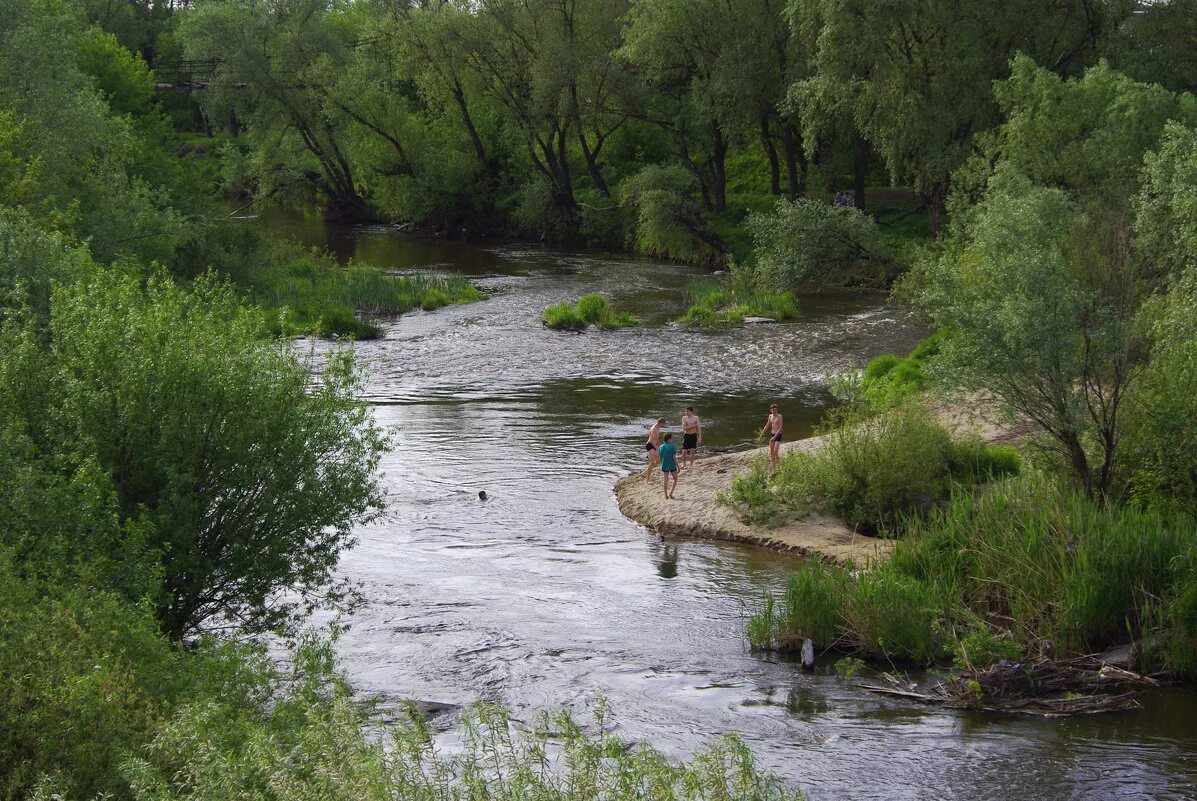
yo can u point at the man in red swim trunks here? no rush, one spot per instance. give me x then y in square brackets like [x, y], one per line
[773, 426]
[650, 448]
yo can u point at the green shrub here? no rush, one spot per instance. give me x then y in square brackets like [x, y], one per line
[85, 676]
[809, 243]
[870, 470]
[175, 394]
[974, 462]
[890, 379]
[313, 741]
[998, 571]
[1160, 443]
[588, 310]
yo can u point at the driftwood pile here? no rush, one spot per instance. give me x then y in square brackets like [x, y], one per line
[1050, 688]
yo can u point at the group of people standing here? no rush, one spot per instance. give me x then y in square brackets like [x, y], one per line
[660, 449]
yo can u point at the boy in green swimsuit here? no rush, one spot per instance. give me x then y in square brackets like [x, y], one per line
[668, 453]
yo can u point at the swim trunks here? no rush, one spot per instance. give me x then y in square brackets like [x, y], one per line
[689, 441]
[777, 437]
[648, 446]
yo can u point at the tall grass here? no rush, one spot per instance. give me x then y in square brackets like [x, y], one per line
[1010, 568]
[870, 471]
[715, 304]
[312, 740]
[587, 310]
[309, 296]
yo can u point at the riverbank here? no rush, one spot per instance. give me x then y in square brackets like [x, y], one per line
[696, 512]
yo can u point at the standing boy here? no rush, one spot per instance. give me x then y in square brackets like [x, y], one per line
[650, 448]
[773, 426]
[691, 436]
[669, 465]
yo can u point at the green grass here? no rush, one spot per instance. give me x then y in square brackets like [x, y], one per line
[586, 311]
[310, 296]
[719, 304]
[996, 572]
[871, 471]
[889, 379]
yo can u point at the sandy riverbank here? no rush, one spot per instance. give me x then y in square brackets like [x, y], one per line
[694, 511]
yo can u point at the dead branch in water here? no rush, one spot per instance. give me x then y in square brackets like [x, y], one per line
[1050, 688]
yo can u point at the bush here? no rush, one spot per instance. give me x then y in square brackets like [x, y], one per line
[889, 379]
[809, 243]
[1161, 425]
[314, 741]
[85, 678]
[867, 471]
[588, 310]
[669, 223]
[246, 472]
[997, 572]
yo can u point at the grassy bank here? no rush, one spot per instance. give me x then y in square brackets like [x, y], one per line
[588, 310]
[872, 471]
[1025, 568]
[310, 297]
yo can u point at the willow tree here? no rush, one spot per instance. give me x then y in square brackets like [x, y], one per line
[272, 59]
[917, 78]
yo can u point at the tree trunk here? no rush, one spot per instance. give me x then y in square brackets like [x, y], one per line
[860, 170]
[1079, 461]
[935, 203]
[719, 169]
[771, 154]
[468, 120]
[795, 161]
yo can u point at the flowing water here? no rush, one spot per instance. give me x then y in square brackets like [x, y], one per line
[547, 597]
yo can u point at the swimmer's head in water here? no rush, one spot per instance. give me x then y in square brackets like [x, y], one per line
[482, 495]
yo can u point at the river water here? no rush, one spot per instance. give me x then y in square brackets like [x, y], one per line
[547, 597]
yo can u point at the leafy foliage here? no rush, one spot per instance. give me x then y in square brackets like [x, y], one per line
[807, 243]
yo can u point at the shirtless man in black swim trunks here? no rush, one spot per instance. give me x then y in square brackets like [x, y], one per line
[691, 436]
[650, 448]
[773, 426]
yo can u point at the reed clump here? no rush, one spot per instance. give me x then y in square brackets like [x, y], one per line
[586, 311]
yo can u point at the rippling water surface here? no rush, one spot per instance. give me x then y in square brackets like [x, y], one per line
[546, 596]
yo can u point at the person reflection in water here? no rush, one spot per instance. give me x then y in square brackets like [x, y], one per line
[667, 567]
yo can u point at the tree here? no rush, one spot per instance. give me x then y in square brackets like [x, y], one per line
[1087, 135]
[918, 77]
[244, 471]
[80, 167]
[682, 50]
[272, 58]
[1038, 302]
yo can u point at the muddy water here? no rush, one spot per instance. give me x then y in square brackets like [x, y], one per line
[546, 596]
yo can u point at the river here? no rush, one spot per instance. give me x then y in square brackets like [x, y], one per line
[547, 597]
